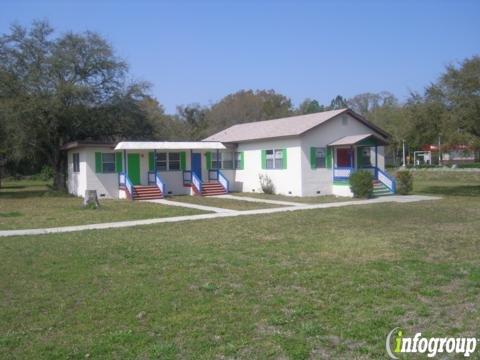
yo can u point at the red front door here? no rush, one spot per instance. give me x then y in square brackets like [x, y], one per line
[344, 157]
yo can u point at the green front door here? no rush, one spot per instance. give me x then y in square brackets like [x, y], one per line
[134, 168]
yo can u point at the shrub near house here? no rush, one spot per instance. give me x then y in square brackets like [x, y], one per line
[404, 182]
[361, 184]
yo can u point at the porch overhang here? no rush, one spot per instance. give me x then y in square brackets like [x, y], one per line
[170, 145]
[362, 139]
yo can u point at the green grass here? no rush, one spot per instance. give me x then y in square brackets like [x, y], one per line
[325, 283]
[300, 199]
[29, 204]
[222, 203]
[456, 183]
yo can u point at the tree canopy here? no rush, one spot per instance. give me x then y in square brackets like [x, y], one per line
[57, 89]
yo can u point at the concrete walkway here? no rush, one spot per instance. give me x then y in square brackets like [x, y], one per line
[229, 213]
[190, 205]
[259, 200]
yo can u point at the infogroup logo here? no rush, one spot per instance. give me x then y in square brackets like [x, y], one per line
[397, 343]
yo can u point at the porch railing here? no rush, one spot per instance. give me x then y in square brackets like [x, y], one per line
[223, 180]
[197, 183]
[156, 179]
[215, 174]
[342, 173]
[387, 180]
[187, 177]
[151, 178]
[125, 182]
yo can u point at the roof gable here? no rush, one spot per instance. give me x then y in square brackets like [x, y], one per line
[289, 126]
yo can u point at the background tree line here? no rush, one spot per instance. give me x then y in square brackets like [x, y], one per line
[73, 87]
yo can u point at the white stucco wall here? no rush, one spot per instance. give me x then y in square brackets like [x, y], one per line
[105, 184]
[76, 181]
[287, 181]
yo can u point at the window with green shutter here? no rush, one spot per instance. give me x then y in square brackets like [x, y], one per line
[105, 163]
[239, 160]
[318, 157]
[274, 159]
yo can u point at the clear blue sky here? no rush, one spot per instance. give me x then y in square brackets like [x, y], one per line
[199, 51]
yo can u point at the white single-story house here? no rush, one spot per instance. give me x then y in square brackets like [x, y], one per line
[303, 155]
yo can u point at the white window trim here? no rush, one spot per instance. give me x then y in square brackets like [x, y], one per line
[274, 158]
[167, 161]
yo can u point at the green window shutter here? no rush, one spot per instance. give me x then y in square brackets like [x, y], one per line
[183, 160]
[328, 160]
[98, 162]
[313, 160]
[242, 161]
[208, 160]
[284, 158]
[118, 162]
[264, 159]
[359, 158]
[151, 161]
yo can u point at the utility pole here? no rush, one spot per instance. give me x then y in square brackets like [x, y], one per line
[439, 150]
[403, 154]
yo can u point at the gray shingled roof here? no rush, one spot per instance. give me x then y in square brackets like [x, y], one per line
[289, 126]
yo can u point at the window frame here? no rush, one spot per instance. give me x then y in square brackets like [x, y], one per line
[324, 150]
[104, 171]
[170, 161]
[366, 156]
[167, 161]
[237, 160]
[76, 162]
[273, 157]
[161, 161]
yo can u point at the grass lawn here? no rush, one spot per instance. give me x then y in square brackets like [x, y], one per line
[29, 204]
[222, 203]
[325, 283]
[305, 199]
[456, 183]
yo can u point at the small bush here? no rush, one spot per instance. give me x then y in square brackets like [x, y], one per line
[267, 184]
[404, 182]
[361, 184]
[46, 173]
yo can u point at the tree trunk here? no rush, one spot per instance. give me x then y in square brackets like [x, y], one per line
[60, 172]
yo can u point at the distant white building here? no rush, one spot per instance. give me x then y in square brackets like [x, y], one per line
[303, 156]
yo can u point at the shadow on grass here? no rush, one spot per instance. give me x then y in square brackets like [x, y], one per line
[22, 194]
[463, 190]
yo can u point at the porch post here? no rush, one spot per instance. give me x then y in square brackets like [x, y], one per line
[352, 156]
[125, 162]
[376, 161]
[155, 161]
[218, 167]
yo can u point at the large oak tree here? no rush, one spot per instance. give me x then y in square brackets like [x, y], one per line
[57, 89]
